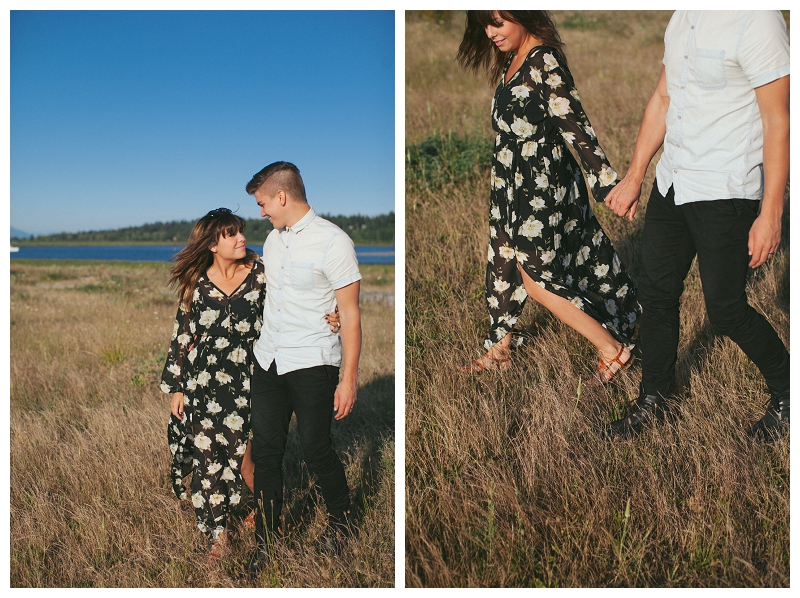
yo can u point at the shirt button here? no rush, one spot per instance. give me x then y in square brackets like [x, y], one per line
[675, 171]
[692, 26]
[685, 57]
[681, 86]
[679, 118]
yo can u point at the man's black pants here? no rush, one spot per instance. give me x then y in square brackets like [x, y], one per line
[717, 232]
[309, 394]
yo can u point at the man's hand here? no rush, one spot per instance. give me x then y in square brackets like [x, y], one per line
[344, 399]
[765, 236]
[624, 198]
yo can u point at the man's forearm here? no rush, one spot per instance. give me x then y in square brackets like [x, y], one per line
[776, 157]
[652, 132]
[351, 342]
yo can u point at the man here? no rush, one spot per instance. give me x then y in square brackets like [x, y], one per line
[721, 110]
[311, 268]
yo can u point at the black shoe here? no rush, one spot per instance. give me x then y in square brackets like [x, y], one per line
[775, 421]
[641, 412]
[257, 561]
[336, 534]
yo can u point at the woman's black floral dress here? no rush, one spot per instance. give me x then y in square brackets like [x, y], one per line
[210, 361]
[539, 213]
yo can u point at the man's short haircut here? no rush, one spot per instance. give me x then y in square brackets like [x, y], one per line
[279, 176]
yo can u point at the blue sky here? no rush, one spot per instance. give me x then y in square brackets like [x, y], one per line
[121, 118]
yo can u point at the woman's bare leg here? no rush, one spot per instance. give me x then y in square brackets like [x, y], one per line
[573, 317]
[248, 467]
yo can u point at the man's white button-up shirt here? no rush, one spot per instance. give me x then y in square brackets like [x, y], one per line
[304, 265]
[713, 61]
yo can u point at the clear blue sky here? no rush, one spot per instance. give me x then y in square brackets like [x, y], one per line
[125, 118]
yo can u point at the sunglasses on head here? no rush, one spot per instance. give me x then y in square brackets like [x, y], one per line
[218, 212]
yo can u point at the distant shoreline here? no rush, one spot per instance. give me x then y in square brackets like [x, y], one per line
[25, 243]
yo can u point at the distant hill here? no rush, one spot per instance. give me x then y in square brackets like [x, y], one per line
[364, 230]
[19, 234]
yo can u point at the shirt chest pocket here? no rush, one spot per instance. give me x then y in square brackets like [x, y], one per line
[709, 68]
[302, 276]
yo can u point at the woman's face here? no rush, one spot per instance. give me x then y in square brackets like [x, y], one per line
[230, 248]
[506, 35]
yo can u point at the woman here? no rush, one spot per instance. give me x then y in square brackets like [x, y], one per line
[545, 240]
[221, 287]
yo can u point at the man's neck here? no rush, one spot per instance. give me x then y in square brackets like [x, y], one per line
[297, 214]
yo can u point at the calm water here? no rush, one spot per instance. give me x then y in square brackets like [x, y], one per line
[367, 254]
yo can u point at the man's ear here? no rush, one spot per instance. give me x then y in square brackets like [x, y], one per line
[282, 197]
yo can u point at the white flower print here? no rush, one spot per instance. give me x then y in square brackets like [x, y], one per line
[221, 343]
[240, 449]
[213, 407]
[559, 193]
[550, 61]
[555, 218]
[233, 421]
[500, 286]
[536, 75]
[252, 296]
[227, 475]
[211, 359]
[568, 137]
[541, 181]
[213, 468]
[246, 384]
[493, 303]
[165, 387]
[242, 402]
[589, 131]
[215, 294]
[202, 441]
[223, 377]
[611, 306]
[234, 498]
[529, 149]
[506, 252]
[521, 256]
[203, 378]
[597, 238]
[196, 295]
[556, 240]
[216, 499]
[577, 302]
[500, 332]
[599, 152]
[548, 256]
[591, 179]
[519, 294]
[492, 232]
[583, 284]
[495, 213]
[631, 317]
[503, 125]
[521, 91]
[522, 128]
[570, 225]
[558, 106]
[490, 257]
[554, 80]
[257, 325]
[565, 261]
[220, 438]
[531, 228]
[505, 157]
[497, 182]
[238, 355]
[574, 94]
[208, 317]
[192, 355]
[622, 291]
[197, 500]
[184, 339]
[191, 384]
[557, 153]
[605, 288]
[537, 203]
[582, 255]
[206, 423]
[518, 180]
[607, 176]
[261, 278]
[601, 270]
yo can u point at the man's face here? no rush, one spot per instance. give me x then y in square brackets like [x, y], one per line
[272, 207]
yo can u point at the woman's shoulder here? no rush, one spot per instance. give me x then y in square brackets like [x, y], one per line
[545, 56]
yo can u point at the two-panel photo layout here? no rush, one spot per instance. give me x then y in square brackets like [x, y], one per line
[579, 377]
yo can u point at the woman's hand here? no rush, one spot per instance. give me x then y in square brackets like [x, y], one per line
[176, 404]
[333, 320]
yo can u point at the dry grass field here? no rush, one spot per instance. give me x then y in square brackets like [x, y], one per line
[91, 501]
[508, 482]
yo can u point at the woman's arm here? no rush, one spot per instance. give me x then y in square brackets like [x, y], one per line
[173, 376]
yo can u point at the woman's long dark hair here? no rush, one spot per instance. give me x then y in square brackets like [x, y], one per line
[477, 52]
[193, 260]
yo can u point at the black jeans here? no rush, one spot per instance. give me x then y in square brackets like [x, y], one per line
[717, 232]
[309, 394]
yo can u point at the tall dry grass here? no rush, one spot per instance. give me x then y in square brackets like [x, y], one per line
[508, 482]
[91, 500]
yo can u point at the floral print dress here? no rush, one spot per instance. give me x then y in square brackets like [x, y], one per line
[539, 212]
[210, 361]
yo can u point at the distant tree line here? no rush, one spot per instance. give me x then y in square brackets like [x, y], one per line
[364, 230]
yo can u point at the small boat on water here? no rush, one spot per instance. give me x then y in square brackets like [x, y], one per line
[14, 249]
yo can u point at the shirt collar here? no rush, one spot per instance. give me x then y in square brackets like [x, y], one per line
[303, 222]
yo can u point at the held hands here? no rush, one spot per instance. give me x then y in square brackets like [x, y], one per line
[344, 399]
[624, 198]
[176, 404]
[333, 320]
[763, 241]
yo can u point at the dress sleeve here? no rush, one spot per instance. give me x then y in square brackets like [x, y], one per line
[560, 99]
[179, 357]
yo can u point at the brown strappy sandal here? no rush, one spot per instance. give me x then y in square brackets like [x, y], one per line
[487, 362]
[605, 373]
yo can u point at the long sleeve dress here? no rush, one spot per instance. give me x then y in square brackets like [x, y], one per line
[539, 212]
[210, 361]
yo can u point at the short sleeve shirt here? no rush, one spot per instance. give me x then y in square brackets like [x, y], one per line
[304, 264]
[714, 60]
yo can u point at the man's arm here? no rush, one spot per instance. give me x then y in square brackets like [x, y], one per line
[765, 234]
[624, 198]
[350, 318]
